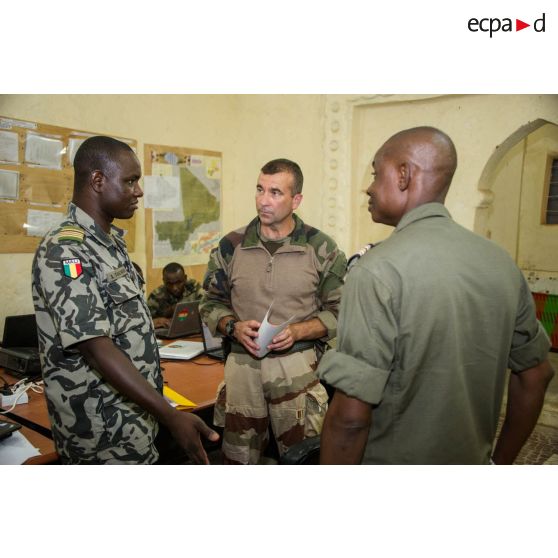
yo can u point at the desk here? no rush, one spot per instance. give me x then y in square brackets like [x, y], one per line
[197, 380]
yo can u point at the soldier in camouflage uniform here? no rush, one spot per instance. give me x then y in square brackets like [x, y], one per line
[275, 258]
[176, 288]
[99, 355]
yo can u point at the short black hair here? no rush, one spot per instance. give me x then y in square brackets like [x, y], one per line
[96, 153]
[285, 165]
[173, 267]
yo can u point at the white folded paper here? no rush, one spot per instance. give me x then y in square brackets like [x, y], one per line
[268, 331]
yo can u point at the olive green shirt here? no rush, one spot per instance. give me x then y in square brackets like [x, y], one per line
[430, 320]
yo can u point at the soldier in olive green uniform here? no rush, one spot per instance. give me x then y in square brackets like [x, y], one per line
[430, 321]
[176, 288]
[275, 258]
[99, 356]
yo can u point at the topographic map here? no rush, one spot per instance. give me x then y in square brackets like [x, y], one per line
[189, 230]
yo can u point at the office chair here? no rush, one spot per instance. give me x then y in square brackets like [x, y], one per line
[306, 452]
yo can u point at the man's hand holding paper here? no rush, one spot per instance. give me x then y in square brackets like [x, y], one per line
[246, 333]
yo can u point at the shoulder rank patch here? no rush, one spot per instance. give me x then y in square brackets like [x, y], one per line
[72, 268]
[71, 233]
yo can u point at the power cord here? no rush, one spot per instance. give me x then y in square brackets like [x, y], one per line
[21, 387]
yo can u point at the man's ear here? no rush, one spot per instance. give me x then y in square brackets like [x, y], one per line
[97, 180]
[297, 199]
[404, 176]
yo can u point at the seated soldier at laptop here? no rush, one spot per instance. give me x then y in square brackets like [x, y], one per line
[176, 288]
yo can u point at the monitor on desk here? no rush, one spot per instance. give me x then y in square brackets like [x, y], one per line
[20, 331]
[19, 352]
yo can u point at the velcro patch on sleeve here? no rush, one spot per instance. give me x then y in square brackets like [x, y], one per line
[71, 233]
[72, 268]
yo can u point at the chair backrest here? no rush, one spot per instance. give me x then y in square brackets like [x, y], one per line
[306, 452]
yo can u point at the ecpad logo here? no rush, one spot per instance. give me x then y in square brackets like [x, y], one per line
[495, 24]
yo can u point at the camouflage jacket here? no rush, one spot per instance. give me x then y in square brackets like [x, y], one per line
[84, 286]
[303, 278]
[161, 303]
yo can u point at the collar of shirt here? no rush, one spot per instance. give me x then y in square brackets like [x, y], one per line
[297, 237]
[86, 222]
[424, 211]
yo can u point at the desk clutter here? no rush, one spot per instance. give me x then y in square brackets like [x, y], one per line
[181, 350]
[15, 448]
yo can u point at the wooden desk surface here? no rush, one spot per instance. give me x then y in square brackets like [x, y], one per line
[197, 380]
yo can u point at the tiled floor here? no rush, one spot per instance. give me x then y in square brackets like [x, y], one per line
[542, 446]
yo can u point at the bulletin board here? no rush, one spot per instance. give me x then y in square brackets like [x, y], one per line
[36, 182]
[182, 200]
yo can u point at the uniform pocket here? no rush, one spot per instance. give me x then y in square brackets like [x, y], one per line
[125, 305]
[316, 407]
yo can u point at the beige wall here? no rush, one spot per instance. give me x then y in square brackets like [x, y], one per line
[478, 124]
[538, 243]
[501, 219]
[518, 186]
[320, 132]
[248, 129]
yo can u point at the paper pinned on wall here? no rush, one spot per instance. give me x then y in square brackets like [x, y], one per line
[9, 184]
[43, 151]
[73, 146]
[9, 147]
[161, 192]
[40, 222]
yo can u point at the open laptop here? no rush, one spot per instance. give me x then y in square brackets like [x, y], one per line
[181, 350]
[19, 352]
[212, 345]
[185, 321]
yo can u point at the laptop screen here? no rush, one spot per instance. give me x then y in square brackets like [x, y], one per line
[20, 331]
[210, 342]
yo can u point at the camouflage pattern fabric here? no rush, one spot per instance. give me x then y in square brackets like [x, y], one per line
[325, 265]
[84, 286]
[282, 390]
[161, 303]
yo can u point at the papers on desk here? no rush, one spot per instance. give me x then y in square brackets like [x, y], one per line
[177, 400]
[182, 350]
[16, 449]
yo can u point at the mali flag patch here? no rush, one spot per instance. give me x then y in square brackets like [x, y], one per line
[72, 268]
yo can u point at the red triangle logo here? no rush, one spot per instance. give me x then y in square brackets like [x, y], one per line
[519, 25]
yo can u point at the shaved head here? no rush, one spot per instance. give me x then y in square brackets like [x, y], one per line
[412, 168]
[431, 151]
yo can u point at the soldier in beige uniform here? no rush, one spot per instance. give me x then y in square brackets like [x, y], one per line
[275, 258]
[99, 355]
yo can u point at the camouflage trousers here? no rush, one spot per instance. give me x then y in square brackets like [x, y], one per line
[114, 456]
[282, 391]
